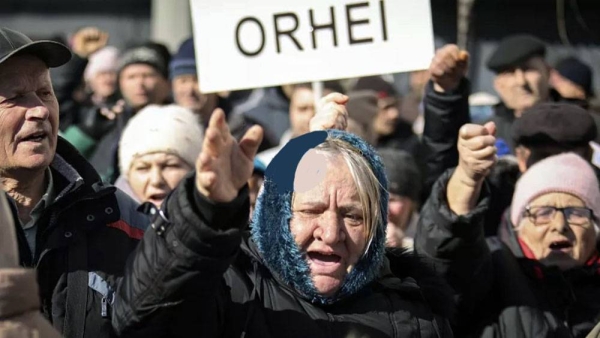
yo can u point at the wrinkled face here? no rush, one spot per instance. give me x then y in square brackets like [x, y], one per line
[559, 243]
[186, 93]
[522, 87]
[400, 209]
[153, 176]
[104, 84]
[302, 109]
[387, 117]
[28, 115]
[327, 222]
[142, 84]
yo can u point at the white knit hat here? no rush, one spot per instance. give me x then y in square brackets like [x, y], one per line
[171, 129]
[103, 60]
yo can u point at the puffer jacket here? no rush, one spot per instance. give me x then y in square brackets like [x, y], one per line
[201, 275]
[502, 293]
[83, 240]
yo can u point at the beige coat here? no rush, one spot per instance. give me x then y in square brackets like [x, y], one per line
[19, 294]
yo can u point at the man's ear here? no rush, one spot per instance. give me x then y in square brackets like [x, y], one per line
[522, 155]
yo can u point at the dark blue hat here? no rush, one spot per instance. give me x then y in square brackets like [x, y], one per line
[184, 62]
[577, 72]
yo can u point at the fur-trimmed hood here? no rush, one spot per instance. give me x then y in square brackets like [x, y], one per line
[271, 219]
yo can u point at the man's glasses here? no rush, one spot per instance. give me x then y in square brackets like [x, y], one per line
[543, 215]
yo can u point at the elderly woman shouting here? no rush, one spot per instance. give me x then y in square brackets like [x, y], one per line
[313, 266]
[541, 277]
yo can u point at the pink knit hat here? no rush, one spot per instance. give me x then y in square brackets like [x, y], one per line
[103, 60]
[568, 173]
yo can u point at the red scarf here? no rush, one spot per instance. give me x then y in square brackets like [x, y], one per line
[594, 259]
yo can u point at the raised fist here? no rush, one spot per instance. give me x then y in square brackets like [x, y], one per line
[331, 113]
[477, 150]
[89, 40]
[448, 67]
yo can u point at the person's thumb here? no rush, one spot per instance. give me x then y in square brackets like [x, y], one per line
[491, 128]
[251, 141]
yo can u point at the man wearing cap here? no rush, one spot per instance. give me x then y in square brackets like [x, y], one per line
[391, 131]
[143, 80]
[521, 81]
[75, 230]
[552, 128]
[184, 82]
[573, 79]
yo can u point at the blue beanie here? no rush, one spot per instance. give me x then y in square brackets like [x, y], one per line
[184, 62]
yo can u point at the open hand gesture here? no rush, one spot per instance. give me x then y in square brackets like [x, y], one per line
[224, 165]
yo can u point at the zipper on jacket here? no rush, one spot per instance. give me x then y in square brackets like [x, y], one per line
[104, 310]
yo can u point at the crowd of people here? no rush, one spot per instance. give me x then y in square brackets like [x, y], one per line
[134, 205]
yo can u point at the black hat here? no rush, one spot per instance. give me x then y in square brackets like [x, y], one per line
[561, 124]
[152, 54]
[577, 72]
[404, 177]
[515, 49]
[52, 53]
[383, 88]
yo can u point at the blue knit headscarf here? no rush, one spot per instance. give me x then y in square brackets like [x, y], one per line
[271, 220]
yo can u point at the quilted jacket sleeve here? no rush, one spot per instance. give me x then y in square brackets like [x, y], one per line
[177, 273]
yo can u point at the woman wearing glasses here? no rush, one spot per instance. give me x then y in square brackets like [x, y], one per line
[541, 276]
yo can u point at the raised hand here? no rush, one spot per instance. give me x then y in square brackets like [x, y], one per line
[477, 151]
[88, 40]
[448, 67]
[224, 165]
[331, 113]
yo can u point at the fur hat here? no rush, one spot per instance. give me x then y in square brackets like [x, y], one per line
[568, 173]
[171, 129]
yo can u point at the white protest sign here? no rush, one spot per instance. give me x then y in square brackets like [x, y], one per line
[243, 44]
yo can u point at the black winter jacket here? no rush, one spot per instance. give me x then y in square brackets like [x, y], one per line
[445, 113]
[83, 241]
[501, 293]
[192, 278]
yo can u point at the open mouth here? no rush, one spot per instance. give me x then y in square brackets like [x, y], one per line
[157, 197]
[561, 246]
[323, 258]
[35, 137]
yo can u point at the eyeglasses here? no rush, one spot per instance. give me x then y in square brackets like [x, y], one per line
[543, 215]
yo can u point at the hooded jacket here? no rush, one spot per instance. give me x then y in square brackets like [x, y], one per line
[501, 292]
[203, 275]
